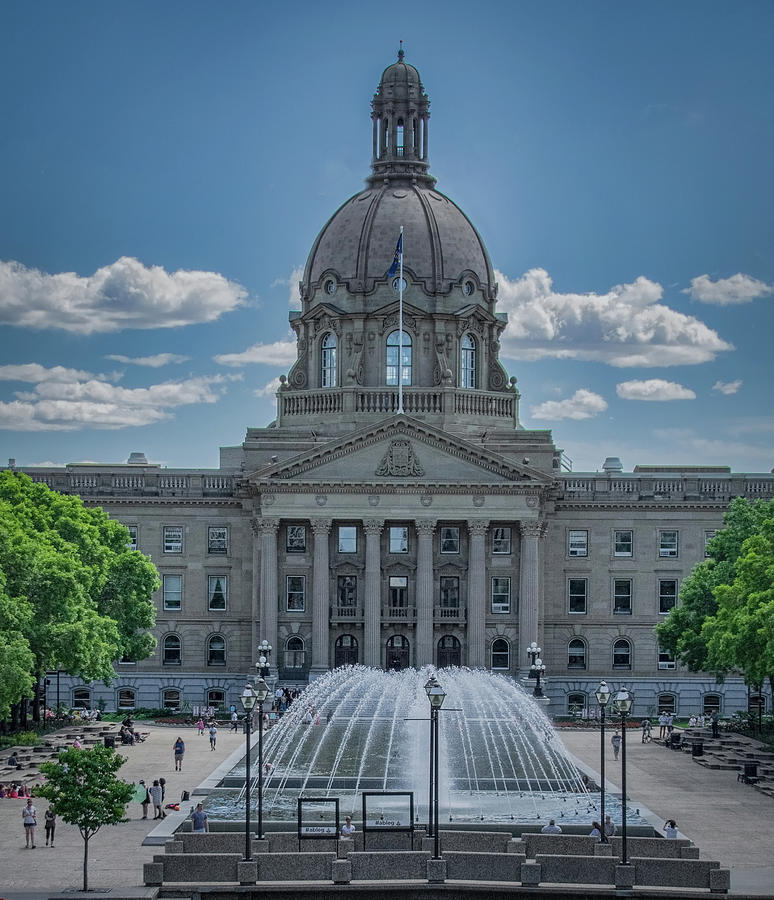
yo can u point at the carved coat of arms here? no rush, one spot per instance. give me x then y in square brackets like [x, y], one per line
[400, 460]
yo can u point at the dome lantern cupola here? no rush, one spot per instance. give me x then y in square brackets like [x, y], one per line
[400, 114]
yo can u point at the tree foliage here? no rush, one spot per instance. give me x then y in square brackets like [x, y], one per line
[73, 596]
[83, 791]
[683, 632]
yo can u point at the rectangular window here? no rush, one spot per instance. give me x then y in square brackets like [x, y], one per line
[667, 595]
[296, 593]
[665, 659]
[623, 543]
[217, 539]
[450, 592]
[398, 590]
[217, 589]
[346, 590]
[450, 540]
[622, 596]
[347, 539]
[295, 539]
[398, 539]
[708, 536]
[173, 591]
[173, 539]
[667, 544]
[132, 529]
[577, 589]
[501, 595]
[578, 543]
[501, 540]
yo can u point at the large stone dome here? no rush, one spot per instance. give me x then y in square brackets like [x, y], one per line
[441, 248]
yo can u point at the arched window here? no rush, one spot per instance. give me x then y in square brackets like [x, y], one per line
[345, 651]
[172, 650]
[170, 698]
[397, 653]
[295, 654]
[216, 698]
[216, 650]
[667, 703]
[622, 654]
[449, 652]
[710, 704]
[126, 698]
[81, 698]
[576, 703]
[576, 654]
[468, 362]
[393, 351]
[399, 139]
[328, 361]
[501, 654]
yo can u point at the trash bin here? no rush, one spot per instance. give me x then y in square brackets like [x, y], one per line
[751, 770]
[674, 740]
[697, 748]
[110, 741]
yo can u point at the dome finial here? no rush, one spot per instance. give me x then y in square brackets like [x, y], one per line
[401, 54]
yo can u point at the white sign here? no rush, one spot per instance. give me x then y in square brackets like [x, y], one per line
[318, 829]
[387, 823]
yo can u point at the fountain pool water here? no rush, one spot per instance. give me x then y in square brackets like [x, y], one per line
[359, 729]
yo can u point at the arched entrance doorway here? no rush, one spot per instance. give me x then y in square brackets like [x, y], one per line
[397, 653]
[449, 652]
[345, 651]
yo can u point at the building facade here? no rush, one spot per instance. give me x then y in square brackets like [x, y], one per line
[397, 513]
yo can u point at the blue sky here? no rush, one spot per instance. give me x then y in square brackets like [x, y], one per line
[165, 168]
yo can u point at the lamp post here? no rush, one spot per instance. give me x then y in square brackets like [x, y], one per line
[623, 704]
[248, 702]
[429, 685]
[264, 651]
[436, 696]
[603, 698]
[536, 668]
[261, 693]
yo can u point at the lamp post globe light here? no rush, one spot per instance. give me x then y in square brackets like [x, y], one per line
[436, 696]
[536, 669]
[264, 651]
[429, 684]
[248, 699]
[261, 693]
[622, 702]
[603, 698]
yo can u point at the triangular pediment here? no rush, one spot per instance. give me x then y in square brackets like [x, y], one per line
[401, 451]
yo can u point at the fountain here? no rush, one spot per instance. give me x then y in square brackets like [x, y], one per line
[358, 729]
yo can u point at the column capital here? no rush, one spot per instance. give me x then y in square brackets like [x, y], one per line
[531, 529]
[478, 528]
[264, 526]
[373, 526]
[321, 527]
[425, 526]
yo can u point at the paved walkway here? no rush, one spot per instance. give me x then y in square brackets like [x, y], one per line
[728, 821]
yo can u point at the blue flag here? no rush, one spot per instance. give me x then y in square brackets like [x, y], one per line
[394, 268]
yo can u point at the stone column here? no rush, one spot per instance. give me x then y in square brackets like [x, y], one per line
[529, 590]
[373, 593]
[477, 594]
[269, 594]
[256, 619]
[424, 592]
[321, 528]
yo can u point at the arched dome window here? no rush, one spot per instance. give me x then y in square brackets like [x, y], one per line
[328, 361]
[393, 350]
[399, 139]
[468, 362]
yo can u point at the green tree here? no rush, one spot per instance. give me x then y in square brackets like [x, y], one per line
[682, 631]
[72, 593]
[83, 790]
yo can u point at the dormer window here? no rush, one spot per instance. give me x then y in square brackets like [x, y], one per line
[393, 350]
[328, 361]
[468, 362]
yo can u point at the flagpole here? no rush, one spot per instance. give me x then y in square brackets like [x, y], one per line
[400, 328]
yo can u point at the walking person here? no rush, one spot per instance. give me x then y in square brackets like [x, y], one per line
[714, 723]
[30, 819]
[615, 740]
[200, 726]
[155, 793]
[50, 821]
[213, 735]
[234, 721]
[145, 801]
[178, 748]
[645, 724]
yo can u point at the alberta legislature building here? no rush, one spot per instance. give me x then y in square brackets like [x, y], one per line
[396, 513]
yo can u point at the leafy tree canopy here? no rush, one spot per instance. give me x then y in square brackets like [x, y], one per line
[682, 632]
[73, 596]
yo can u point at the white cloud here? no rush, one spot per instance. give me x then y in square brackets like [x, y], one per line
[125, 294]
[92, 403]
[294, 298]
[269, 389]
[583, 404]
[279, 353]
[738, 288]
[35, 373]
[727, 387]
[155, 362]
[653, 389]
[627, 326]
